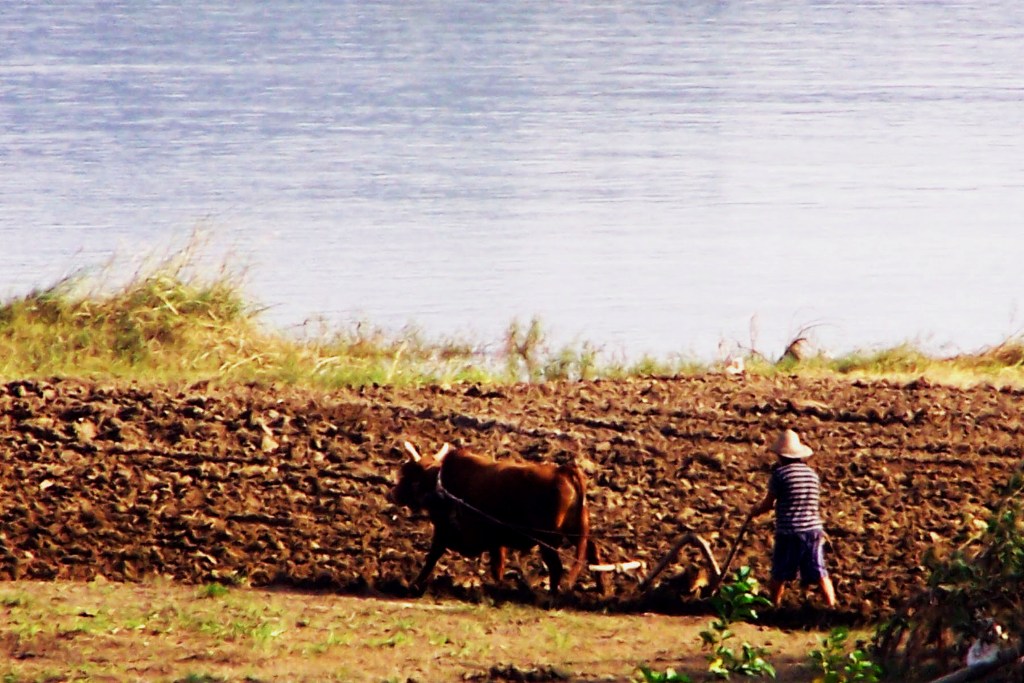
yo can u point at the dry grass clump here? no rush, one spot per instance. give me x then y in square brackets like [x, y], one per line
[157, 325]
[167, 324]
[999, 365]
[1008, 354]
[902, 359]
[170, 324]
[1002, 364]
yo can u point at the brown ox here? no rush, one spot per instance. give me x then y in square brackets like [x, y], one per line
[478, 505]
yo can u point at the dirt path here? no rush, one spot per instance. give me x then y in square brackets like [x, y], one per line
[163, 631]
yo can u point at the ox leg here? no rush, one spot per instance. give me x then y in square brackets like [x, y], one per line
[437, 548]
[554, 565]
[583, 545]
[582, 548]
[498, 563]
[594, 557]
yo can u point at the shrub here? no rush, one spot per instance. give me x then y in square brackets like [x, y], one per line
[981, 579]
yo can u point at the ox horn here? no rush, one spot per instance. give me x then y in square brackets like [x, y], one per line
[443, 452]
[416, 457]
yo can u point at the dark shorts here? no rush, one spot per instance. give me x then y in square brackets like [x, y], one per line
[803, 551]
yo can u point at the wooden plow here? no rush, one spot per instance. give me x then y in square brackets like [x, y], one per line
[717, 574]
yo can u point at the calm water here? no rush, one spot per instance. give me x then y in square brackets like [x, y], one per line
[650, 176]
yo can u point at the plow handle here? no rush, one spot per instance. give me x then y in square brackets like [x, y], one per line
[732, 553]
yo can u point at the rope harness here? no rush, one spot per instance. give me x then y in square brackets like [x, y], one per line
[530, 532]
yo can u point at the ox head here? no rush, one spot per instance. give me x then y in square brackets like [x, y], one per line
[417, 478]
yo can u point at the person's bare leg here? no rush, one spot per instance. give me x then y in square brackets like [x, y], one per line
[828, 590]
[776, 589]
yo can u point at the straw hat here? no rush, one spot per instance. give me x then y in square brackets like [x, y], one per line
[788, 446]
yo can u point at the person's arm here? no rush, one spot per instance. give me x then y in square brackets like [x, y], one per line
[764, 505]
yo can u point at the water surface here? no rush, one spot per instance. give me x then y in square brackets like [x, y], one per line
[657, 178]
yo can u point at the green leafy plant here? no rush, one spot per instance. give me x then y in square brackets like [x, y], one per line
[667, 676]
[839, 666]
[736, 601]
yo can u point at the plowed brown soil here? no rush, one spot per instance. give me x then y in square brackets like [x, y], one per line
[287, 486]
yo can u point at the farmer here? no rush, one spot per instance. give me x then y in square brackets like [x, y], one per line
[794, 491]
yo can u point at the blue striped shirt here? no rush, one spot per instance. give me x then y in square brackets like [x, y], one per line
[797, 492]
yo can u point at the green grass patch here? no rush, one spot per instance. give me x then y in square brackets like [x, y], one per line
[213, 590]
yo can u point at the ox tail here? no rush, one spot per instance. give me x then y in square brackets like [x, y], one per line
[581, 533]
